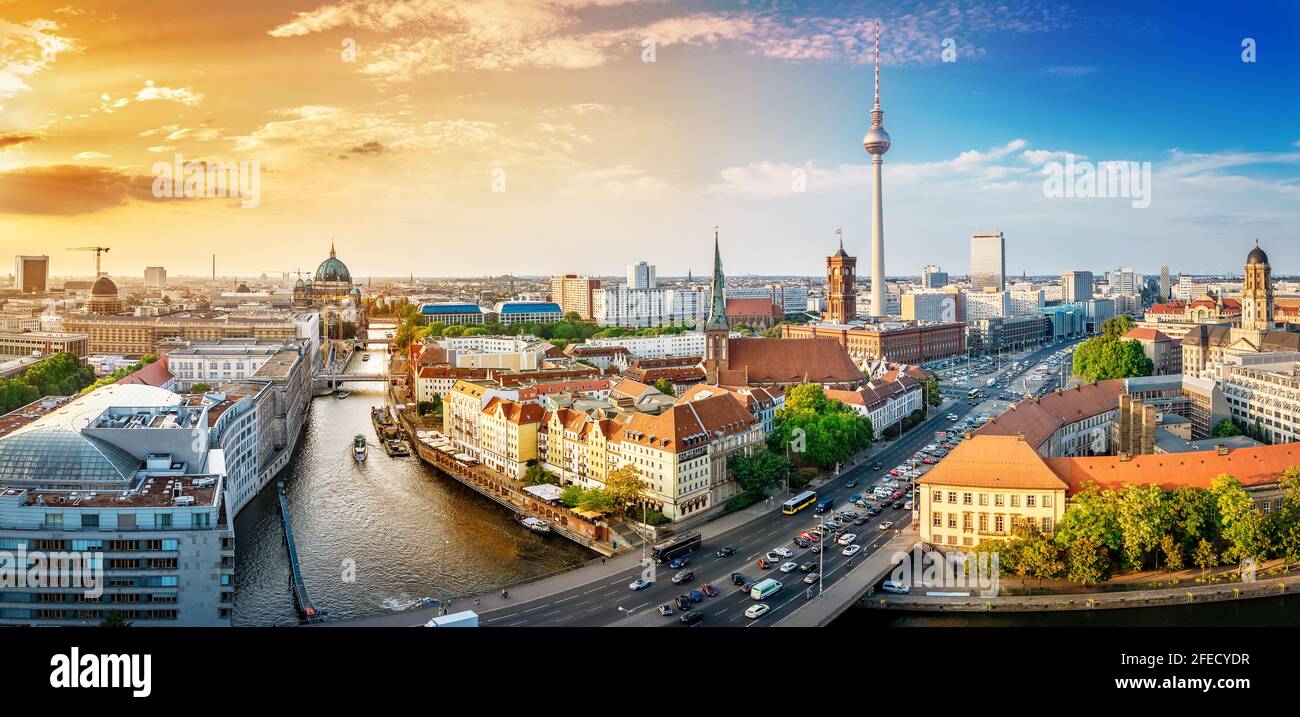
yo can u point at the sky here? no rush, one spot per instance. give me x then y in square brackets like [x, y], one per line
[529, 137]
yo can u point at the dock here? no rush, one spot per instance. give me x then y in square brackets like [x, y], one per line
[307, 612]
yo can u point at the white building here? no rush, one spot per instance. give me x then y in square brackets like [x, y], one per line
[621, 305]
[791, 299]
[221, 360]
[640, 275]
[155, 277]
[652, 347]
[1027, 301]
[987, 304]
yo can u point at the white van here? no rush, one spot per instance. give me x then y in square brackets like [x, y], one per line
[765, 589]
[893, 586]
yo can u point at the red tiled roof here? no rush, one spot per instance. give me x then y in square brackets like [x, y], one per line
[1039, 418]
[993, 462]
[1258, 465]
[1146, 334]
[753, 307]
[688, 425]
[817, 360]
[154, 374]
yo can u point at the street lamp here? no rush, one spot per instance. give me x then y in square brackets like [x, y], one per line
[626, 612]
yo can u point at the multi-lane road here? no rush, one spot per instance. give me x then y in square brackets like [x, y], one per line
[609, 601]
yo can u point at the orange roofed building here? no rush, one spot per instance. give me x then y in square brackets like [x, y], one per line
[990, 483]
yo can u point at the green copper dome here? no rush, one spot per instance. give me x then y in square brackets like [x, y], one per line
[333, 270]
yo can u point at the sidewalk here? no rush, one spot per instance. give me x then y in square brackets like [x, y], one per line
[839, 597]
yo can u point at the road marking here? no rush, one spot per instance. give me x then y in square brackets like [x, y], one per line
[557, 602]
[539, 607]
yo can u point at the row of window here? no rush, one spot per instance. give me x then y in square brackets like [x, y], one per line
[999, 521]
[1030, 500]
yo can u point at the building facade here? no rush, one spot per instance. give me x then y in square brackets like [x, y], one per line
[988, 261]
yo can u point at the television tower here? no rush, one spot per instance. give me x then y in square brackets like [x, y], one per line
[877, 143]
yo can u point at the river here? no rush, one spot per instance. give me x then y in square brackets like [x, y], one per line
[409, 531]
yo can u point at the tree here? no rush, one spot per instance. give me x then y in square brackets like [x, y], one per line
[1109, 356]
[1290, 485]
[596, 500]
[1041, 558]
[114, 619]
[623, 485]
[930, 388]
[1226, 429]
[762, 470]
[828, 431]
[1087, 563]
[1242, 522]
[572, 496]
[1173, 553]
[1205, 557]
[665, 387]
[1095, 516]
[1143, 518]
[200, 388]
[1116, 326]
[536, 475]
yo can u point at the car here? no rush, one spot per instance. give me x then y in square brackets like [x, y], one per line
[862, 503]
[893, 586]
[807, 567]
[848, 539]
[763, 564]
[810, 536]
[738, 579]
[876, 467]
[929, 461]
[679, 563]
[852, 483]
[802, 542]
[691, 617]
[695, 596]
[908, 505]
[683, 602]
[665, 609]
[886, 525]
[861, 521]
[815, 549]
[873, 511]
[789, 567]
[708, 590]
[747, 587]
[683, 576]
[895, 472]
[726, 552]
[757, 610]
[953, 417]
[639, 584]
[851, 550]
[896, 495]
[898, 505]
[812, 578]
[784, 552]
[855, 497]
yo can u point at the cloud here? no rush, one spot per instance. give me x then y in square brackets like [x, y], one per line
[28, 49]
[1070, 70]
[69, 189]
[15, 139]
[183, 95]
[82, 156]
[439, 36]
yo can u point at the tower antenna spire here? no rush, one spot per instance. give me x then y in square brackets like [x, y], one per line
[876, 56]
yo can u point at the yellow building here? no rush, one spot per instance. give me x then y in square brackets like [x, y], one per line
[507, 435]
[985, 488]
[577, 446]
[460, 412]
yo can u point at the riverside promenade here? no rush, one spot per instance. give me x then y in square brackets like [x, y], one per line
[1156, 597]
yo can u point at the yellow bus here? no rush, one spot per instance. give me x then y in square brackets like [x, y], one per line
[799, 502]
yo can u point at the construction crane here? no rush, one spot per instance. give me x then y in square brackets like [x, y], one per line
[98, 250]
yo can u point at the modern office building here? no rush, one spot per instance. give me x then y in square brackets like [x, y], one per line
[1164, 282]
[125, 480]
[155, 277]
[621, 305]
[43, 343]
[640, 275]
[574, 294]
[932, 277]
[988, 261]
[1076, 285]
[987, 304]
[1004, 335]
[32, 274]
[1124, 281]
[933, 305]
[1068, 320]
[528, 312]
[453, 312]
[792, 299]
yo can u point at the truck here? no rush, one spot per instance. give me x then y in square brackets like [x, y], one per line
[464, 618]
[990, 382]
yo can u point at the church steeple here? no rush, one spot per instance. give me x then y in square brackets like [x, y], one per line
[718, 308]
[716, 329]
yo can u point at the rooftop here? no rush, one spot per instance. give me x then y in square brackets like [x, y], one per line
[992, 461]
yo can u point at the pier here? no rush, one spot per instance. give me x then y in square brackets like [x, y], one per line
[306, 611]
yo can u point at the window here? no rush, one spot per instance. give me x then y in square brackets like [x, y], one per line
[984, 522]
[936, 519]
[90, 520]
[999, 500]
[952, 497]
[53, 521]
[952, 520]
[1047, 525]
[1015, 501]
[984, 498]
[997, 524]
[1047, 501]
[162, 521]
[1030, 501]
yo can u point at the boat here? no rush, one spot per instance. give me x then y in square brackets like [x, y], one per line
[396, 447]
[342, 395]
[365, 357]
[385, 425]
[359, 447]
[537, 525]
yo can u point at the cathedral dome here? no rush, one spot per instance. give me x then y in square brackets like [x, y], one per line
[333, 270]
[103, 286]
[1256, 256]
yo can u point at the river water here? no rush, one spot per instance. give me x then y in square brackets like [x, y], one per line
[409, 531]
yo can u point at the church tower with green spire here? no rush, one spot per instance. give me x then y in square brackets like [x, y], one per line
[716, 329]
